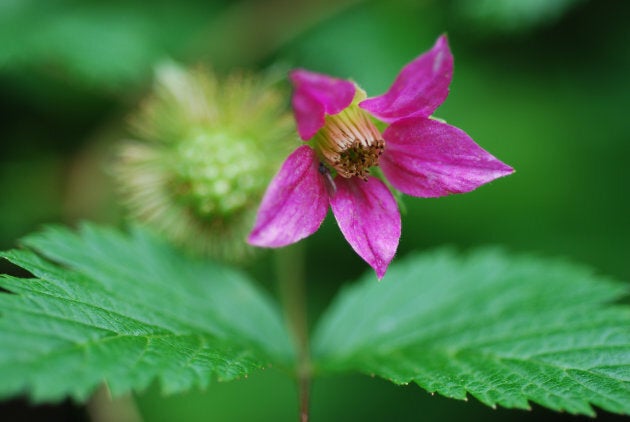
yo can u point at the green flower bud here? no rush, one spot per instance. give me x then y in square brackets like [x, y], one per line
[203, 154]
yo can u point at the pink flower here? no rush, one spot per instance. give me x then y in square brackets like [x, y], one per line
[418, 155]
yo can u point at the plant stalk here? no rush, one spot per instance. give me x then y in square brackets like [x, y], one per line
[103, 408]
[292, 290]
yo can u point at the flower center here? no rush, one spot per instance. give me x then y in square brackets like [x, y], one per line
[350, 143]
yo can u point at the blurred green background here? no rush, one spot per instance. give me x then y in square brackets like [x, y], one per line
[543, 85]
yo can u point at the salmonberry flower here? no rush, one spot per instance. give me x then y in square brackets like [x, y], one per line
[418, 155]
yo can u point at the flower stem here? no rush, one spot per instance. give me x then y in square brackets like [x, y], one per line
[103, 408]
[292, 289]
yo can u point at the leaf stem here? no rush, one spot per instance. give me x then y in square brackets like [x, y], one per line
[292, 289]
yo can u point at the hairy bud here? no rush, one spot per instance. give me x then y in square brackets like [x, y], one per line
[203, 153]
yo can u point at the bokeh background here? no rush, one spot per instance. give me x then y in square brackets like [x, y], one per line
[542, 84]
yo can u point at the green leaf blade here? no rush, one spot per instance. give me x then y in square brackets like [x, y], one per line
[506, 330]
[127, 309]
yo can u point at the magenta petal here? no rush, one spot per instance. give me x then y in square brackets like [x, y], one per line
[419, 88]
[427, 158]
[315, 96]
[295, 203]
[368, 217]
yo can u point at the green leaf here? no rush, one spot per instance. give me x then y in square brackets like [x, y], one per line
[128, 309]
[512, 15]
[101, 44]
[506, 330]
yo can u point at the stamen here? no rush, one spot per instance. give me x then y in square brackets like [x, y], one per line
[350, 143]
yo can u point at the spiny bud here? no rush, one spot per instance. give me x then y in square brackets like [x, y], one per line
[203, 153]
